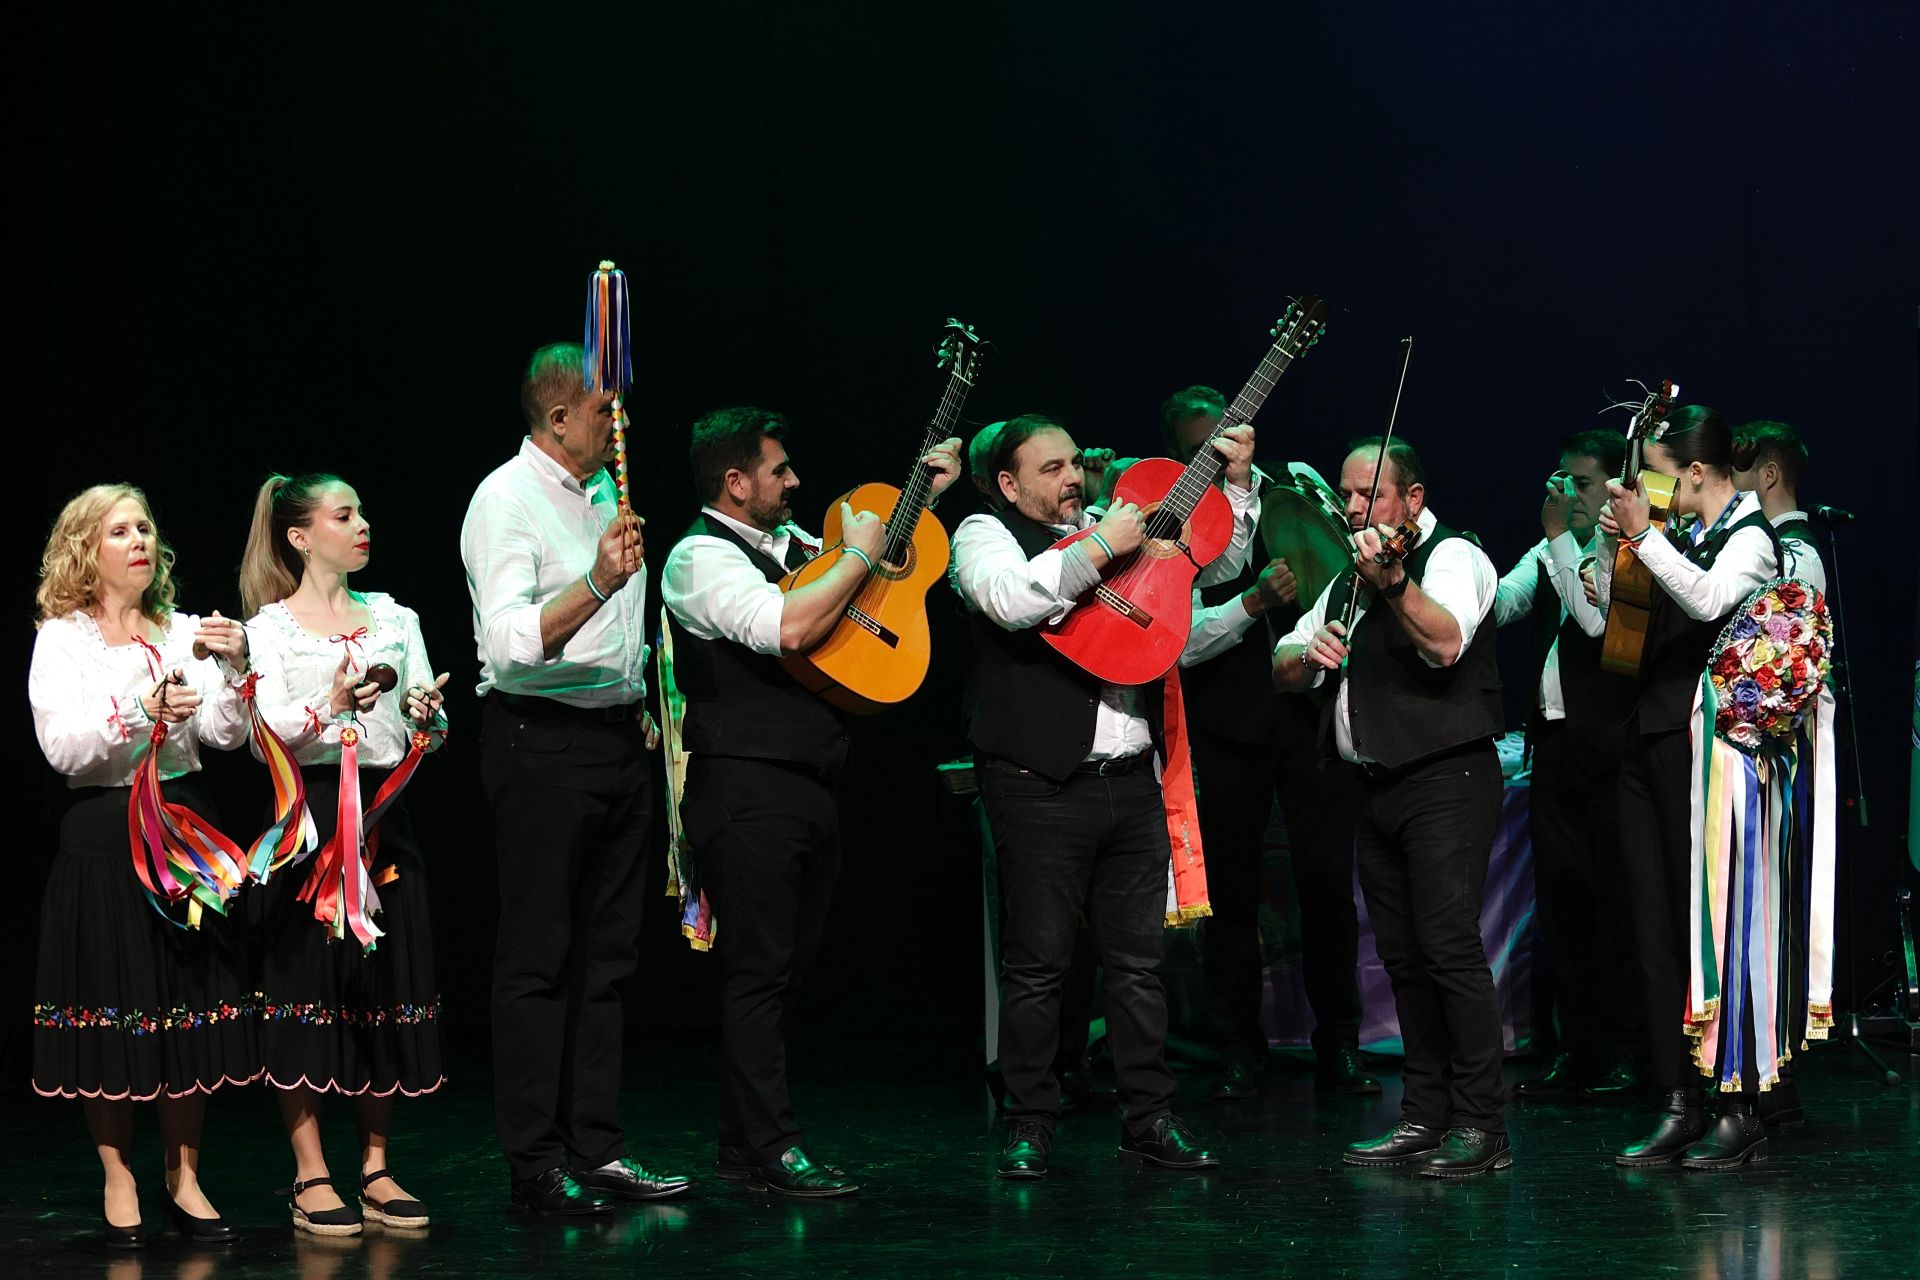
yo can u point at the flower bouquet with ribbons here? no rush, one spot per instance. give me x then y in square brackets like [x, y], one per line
[1761, 880]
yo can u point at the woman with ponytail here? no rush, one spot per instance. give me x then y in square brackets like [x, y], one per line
[131, 1004]
[349, 998]
[1716, 550]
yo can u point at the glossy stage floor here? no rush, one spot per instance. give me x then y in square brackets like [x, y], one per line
[1839, 1197]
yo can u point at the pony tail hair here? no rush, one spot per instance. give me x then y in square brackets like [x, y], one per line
[265, 574]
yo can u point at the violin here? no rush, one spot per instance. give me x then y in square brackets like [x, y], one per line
[1399, 544]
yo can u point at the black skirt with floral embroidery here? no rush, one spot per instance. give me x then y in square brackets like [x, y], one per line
[332, 1016]
[126, 1004]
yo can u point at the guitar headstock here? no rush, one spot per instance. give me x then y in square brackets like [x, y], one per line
[1302, 325]
[1653, 411]
[958, 352]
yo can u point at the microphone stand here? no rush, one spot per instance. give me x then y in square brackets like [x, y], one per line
[1861, 1021]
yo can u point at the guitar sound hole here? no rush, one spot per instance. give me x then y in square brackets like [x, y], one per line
[893, 570]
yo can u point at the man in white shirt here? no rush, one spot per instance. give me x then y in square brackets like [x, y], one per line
[1417, 709]
[1576, 735]
[556, 571]
[1066, 770]
[1769, 459]
[764, 756]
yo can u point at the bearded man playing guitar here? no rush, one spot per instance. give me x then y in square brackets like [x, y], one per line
[1417, 709]
[764, 756]
[1066, 769]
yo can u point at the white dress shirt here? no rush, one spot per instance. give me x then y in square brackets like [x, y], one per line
[87, 714]
[1743, 565]
[296, 681]
[1803, 557]
[718, 593]
[532, 531]
[1458, 577]
[995, 578]
[1514, 600]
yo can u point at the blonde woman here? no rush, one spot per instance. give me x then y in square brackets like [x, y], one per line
[128, 1006]
[336, 1018]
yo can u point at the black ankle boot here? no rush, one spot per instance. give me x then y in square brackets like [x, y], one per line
[1736, 1138]
[1683, 1120]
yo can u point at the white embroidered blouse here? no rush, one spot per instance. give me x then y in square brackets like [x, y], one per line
[296, 680]
[85, 696]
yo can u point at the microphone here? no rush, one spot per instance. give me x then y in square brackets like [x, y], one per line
[1831, 515]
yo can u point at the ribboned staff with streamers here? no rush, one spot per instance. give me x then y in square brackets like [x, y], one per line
[350, 998]
[1067, 771]
[556, 571]
[140, 991]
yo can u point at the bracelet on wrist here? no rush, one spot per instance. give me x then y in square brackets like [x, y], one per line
[1636, 539]
[1104, 544]
[865, 559]
[1398, 589]
[595, 588]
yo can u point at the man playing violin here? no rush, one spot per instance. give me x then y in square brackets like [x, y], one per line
[1576, 734]
[1416, 707]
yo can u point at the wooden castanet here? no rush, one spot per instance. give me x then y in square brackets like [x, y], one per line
[1131, 628]
[879, 655]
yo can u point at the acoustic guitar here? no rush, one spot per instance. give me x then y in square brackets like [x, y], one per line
[1631, 606]
[1130, 628]
[876, 656]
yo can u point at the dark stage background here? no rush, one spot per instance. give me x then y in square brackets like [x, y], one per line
[313, 238]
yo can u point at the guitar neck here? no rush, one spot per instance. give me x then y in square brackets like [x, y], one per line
[918, 490]
[1204, 470]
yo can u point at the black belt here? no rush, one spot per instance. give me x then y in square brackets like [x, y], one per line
[548, 709]
[1118, 767]
[1377, 772]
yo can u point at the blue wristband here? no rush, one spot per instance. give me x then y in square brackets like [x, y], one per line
[1104, 544]
[594, 587]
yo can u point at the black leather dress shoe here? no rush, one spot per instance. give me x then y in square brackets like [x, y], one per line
[198, 1230]
[1683, 1119]
[1736, 1138]
[1780, 1106]
[1240, 1081]
[734, 1164]
[1403, 1144]
[1169, 1143]
[1562, 1076]
[795, 1173]
[1466, 1152]
[1341, 1072]
[624, 1179]
[555, 1192]
[1028, 1148]
[1623, 1081]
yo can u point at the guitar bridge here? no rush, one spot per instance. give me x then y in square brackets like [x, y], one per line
[1124, 607]
[866, 622]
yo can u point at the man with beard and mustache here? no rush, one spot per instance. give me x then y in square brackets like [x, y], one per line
[1065, 765]
[760, 806]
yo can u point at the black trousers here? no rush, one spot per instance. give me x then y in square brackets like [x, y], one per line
[571, 802]
[1655, 846]
[1237, 783]
[1422, 843]
[1091, 844]
[1580, 894]
[767, 835]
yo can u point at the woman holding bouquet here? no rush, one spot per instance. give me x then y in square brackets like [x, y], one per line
[1717, 549]
[349, 1006]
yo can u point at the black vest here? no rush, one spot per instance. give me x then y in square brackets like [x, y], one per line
[742, 703]
[1676, 650]
[1026, 702]
[1402, 710]
[1598, 702]
[1231, 694]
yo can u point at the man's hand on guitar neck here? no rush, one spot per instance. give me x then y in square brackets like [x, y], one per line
[1236, 446]
[944, 462]
[1625, 515]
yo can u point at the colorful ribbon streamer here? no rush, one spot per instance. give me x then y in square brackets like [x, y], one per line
[609, 355]
[178, 856]
[683, 870]
[341, 885]
[1187, 872]
[291, 836]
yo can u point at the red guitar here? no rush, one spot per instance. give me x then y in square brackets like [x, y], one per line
[1132, 626]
